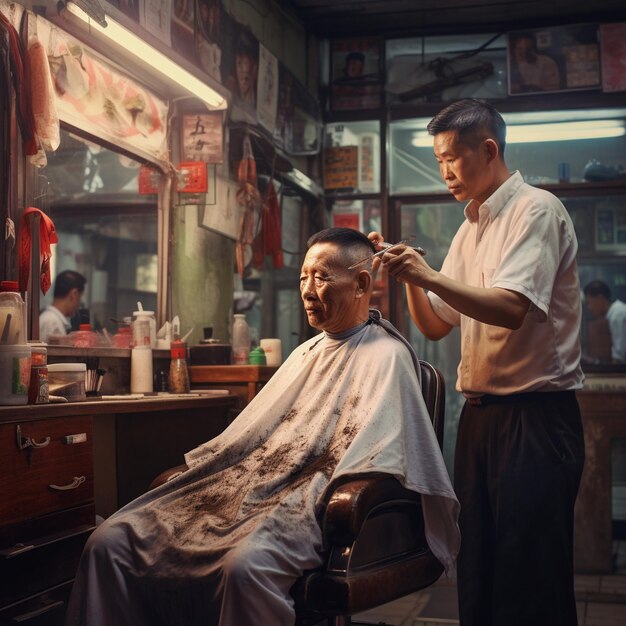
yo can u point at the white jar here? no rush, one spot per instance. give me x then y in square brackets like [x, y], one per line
[241, 340]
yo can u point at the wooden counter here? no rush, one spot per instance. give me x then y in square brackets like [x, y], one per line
[244, 381]
[63, 464]
[134, 440]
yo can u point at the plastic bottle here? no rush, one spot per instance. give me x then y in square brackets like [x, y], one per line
[13, 329]
[178, 378]
[149, 317]
[141, 362]
[241, 340]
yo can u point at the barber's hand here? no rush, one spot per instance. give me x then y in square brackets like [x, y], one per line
[377, 239]
[408, 266]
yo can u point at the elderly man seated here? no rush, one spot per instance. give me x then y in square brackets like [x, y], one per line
[222, 543]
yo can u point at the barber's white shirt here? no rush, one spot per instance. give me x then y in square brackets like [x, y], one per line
[521, 239]
[616, 317]
[52, 322]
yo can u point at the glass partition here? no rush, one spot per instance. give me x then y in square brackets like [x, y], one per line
[107, 229]
[575, 146]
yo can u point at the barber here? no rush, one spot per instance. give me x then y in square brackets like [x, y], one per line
[510, 281]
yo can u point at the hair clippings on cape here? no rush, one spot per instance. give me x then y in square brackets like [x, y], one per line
[386, 248]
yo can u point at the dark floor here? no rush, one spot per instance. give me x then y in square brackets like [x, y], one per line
[601, 601]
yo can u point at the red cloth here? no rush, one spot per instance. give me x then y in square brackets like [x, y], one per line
[47, 235]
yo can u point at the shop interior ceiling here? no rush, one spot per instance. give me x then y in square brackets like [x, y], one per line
[342, 18]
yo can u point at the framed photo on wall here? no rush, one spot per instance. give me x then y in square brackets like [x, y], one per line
[355, 73]
[548, 60]
[613, 44]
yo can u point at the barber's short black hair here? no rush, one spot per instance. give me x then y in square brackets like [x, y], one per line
[66, 281]
[597, 288]
[470, 116]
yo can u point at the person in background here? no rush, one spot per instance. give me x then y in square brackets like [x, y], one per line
[69, 287]
[531, 70]
[510, 281]
[598, 303]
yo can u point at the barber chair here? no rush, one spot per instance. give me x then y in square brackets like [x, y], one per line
[374, 531]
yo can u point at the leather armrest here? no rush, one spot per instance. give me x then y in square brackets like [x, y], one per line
[351, 503]
[168, 474]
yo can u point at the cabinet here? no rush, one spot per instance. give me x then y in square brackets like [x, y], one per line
[47, 512]
[62, 464]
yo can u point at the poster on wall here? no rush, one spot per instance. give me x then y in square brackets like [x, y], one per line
[156, 18]
[283, 127]
[341, 167]
[355, 73]
[241, 73]
[548, 60]
[182, 24]
[97, 98]
[267, 93]
[613, 45]
[203, 137]
[209, 36]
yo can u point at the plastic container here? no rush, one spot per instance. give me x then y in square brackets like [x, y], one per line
[257, 357]
[38, 389]
[84, 337]
[141, 333]
[123, 337]
[12, 329]
[15, 361]
[273, 351]
[241, 340]
[67, 380]
[148, 316]
[178, 377]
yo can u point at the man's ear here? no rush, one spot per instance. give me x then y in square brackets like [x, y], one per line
[364, 282]
[491, 149]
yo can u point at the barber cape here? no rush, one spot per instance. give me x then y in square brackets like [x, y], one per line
[340, 405]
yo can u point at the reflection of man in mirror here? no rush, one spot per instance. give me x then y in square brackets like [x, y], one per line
[530, 69]
[69, 287]
[598, 303]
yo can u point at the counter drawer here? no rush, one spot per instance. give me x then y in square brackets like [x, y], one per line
[45, 466]
[31, 567]
[44, 609]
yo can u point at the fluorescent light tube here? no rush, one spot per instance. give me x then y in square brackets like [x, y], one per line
[146, 53]
[559, 131]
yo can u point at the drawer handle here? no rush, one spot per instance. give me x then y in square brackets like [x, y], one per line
[29, 442]
[77, 482]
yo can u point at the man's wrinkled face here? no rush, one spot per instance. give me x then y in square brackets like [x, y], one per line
[328, 289]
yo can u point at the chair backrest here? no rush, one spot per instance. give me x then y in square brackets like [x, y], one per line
[434, 392]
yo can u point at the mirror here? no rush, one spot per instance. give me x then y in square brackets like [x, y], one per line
[107, 228]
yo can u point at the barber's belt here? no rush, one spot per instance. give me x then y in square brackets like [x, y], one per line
[530, 396]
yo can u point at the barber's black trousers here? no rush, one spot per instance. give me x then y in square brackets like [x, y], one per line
[517, 471]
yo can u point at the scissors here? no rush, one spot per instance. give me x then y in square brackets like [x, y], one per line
[386, 248]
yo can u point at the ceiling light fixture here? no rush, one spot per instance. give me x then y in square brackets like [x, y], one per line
[164, 67]
[558, 131]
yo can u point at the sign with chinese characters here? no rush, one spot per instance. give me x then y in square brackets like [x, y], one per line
[203, 137]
